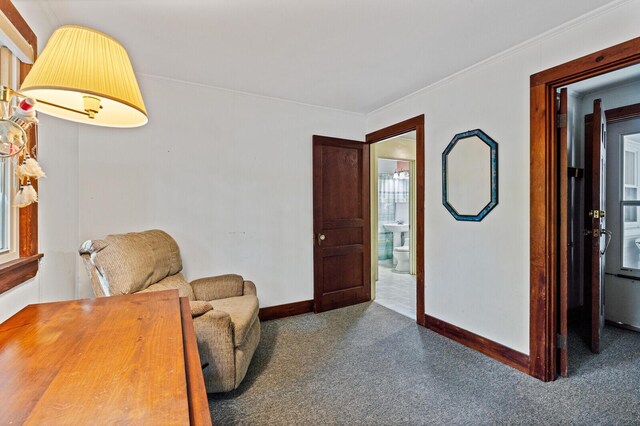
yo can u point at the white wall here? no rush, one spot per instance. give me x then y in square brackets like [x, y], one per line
[19, 297]
[575, 151]
[58, 203]
[477, 274]
[58, 219]
[228, 175]
[612, 97]
[386, 166]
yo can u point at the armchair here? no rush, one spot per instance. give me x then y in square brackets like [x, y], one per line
[225, 308]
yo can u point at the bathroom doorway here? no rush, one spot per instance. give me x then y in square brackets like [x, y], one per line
[397, 213]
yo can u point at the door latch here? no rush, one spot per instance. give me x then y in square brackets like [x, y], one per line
[597, 214]
[595, 232]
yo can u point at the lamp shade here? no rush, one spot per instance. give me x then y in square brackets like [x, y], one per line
[80, 64]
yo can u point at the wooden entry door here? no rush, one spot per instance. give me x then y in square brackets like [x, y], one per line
[342, 253]
[597, 236]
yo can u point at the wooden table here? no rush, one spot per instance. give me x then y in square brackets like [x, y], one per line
[113, 360]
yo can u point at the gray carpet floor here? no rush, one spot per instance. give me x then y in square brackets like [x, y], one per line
[369, 365]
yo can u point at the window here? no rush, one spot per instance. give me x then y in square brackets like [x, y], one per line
[18, 227]
[630, 204]
[9, 71]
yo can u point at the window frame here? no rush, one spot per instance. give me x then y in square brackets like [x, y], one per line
[25, 267]
[624, 202]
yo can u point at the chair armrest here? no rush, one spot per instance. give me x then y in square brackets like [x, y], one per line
[218, 325]
[249, 288]
[215, 337]
[220, 287]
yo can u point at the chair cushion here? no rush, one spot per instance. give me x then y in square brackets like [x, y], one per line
[199, 307]
[243, 311]
[128, 263]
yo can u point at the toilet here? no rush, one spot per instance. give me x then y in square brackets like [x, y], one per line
[402, 255]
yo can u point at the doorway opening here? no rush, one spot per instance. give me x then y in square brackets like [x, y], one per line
[393, 219]
[601, 136]
[397, 217]
[549, 218]
[342, 224]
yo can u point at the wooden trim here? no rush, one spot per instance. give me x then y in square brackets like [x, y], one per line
[417, 124]
[27, 216]
[397, 129]
[286, 310]
[603, 61]
[199, 413]
[544, 250]
[495, 350]
[10, 11]
[17, 271]
[618, 114]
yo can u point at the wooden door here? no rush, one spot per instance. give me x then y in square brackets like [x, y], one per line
[342, 252]
[596, 233]
[563, 202]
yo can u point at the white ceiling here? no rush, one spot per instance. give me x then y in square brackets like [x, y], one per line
[355, 55]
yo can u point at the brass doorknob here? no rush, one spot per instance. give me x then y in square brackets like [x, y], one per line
[321, 238]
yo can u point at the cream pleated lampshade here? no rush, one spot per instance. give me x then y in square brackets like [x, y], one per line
[79, 62]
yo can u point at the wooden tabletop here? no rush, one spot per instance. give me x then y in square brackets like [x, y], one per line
[109, 360]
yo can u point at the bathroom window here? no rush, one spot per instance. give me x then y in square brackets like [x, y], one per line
[631, 202]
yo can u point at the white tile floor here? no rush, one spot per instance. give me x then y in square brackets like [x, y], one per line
[396, 291]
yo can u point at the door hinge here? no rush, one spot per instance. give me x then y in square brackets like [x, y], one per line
[561, 342]
[561, 121]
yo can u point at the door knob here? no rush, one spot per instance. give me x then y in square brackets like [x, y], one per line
[321, 238]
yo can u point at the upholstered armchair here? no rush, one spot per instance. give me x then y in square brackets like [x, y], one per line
[224, 308]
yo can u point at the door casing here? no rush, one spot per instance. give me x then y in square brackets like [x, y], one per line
[545, 251]
[417, 124]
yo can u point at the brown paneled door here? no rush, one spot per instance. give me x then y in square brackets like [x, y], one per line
[341, 223]
[597, 235]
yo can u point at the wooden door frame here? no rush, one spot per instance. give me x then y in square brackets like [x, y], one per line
[417, 124]
[544, 248]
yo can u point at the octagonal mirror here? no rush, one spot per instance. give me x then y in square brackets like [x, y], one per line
[470, 175]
